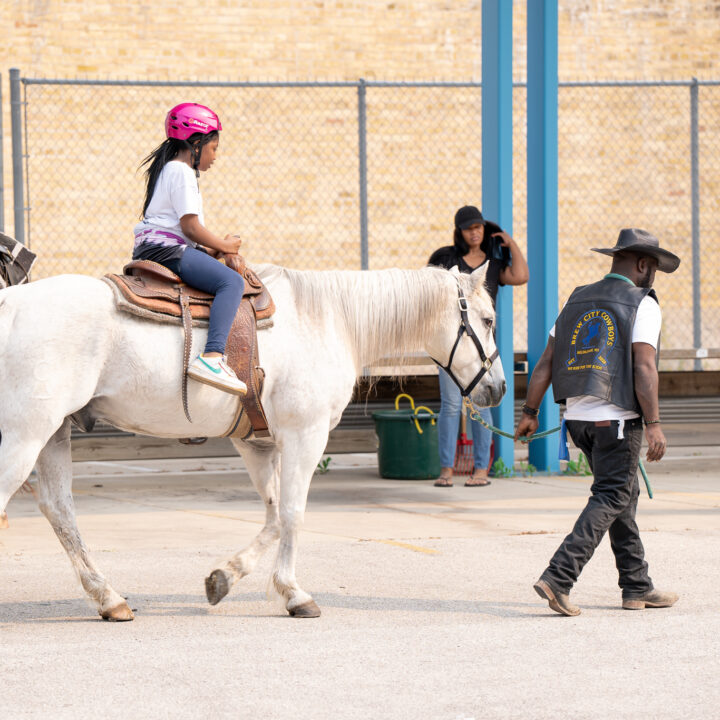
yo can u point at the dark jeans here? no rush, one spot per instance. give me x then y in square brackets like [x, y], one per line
[611, 507]
[204, 272]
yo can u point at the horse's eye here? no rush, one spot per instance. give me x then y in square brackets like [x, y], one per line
[488, 323]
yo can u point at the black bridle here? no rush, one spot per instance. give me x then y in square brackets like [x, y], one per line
[464, 329]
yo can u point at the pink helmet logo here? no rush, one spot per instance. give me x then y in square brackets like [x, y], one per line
[187, 119]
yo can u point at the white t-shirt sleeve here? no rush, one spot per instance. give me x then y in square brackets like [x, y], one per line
[648, 321]
[552, 329]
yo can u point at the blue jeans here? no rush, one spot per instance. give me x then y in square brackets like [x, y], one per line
[449, 422]
[204, 272]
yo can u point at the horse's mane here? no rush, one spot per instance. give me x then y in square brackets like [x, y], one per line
[384, 312]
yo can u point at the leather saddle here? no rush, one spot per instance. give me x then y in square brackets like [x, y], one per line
[150, 290]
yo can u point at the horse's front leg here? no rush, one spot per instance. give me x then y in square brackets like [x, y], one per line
[54, 468]
[300, 455]
[263, 465]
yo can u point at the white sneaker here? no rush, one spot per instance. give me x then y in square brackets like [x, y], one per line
[215, 371]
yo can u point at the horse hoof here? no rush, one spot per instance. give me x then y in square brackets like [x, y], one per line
[4, 524]
[120, 613]
[216, 586]
[306, 610]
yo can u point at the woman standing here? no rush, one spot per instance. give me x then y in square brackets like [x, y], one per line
[476, 241]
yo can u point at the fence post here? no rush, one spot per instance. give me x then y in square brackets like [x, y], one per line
[695, 194]
[2, 167]
[17, 156]
[362, 158]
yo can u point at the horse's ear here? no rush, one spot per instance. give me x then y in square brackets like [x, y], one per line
[455, 270]
[478, 277]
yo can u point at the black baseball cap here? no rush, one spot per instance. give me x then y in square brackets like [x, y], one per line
[467, 216]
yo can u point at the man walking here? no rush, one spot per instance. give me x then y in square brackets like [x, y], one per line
[601, 358]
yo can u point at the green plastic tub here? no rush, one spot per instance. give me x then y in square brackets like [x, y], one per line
[403, 452]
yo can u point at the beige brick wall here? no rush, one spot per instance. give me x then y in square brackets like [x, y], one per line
[346, 39]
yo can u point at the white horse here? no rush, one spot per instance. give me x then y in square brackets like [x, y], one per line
[68, 355]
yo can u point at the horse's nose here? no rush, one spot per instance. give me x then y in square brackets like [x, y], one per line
[498, 393]
[503, 389]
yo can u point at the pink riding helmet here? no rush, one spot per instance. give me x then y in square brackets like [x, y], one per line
[187, 119]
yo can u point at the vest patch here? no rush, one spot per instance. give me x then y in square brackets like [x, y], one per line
[593, 339]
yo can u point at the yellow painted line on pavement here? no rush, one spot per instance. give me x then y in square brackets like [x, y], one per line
[233, 518]
[408, 546]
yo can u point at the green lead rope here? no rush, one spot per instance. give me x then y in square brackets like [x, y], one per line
[645, 478]
[475, 415]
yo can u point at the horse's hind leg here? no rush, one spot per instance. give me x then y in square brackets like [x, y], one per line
[263, 465]
[54, 467]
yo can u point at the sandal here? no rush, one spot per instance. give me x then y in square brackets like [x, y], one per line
[478, 478]
[445, 479]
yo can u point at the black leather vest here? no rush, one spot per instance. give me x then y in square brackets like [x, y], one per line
[593, 343]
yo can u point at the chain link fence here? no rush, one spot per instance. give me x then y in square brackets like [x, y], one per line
[369, 175]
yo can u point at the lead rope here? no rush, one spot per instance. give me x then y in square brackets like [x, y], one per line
[474, 415]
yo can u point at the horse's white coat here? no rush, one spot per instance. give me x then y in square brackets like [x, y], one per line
[66, 351]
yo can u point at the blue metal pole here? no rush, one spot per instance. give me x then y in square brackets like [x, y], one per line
[542, 203]
[497, 156]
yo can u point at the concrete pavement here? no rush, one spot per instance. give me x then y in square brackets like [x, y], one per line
[426, 593]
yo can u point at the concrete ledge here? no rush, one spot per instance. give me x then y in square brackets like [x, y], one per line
[124, 446]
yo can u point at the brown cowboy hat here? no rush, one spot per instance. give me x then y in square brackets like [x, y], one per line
[643, 243]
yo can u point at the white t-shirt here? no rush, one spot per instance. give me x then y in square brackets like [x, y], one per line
[646, 329]
[176, 194]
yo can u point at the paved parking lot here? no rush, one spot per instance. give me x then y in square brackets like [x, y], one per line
[426, 593]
